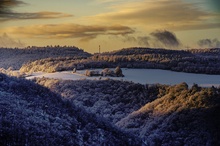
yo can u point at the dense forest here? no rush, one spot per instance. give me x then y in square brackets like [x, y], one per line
[15, 57]
[104, 111]
[32, 115]
[205, 61]
[158, 114]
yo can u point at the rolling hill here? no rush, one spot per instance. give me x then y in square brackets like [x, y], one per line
[158, 114]
[15, 58]
[203, 61]
[33, 115]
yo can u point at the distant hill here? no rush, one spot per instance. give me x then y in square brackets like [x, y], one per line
[142, 51]
[158, 114]
[32, 115]
[15, 58]
[202, 61]
[210, 52]
[161, 51]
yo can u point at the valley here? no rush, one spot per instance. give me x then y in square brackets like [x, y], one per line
[65, 100]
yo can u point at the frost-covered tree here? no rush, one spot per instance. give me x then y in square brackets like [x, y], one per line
[31, 115]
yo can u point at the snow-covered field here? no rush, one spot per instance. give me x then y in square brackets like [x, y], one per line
[143, 76]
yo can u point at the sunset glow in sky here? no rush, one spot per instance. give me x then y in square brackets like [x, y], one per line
[113, 24]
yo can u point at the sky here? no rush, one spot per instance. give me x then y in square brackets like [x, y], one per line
[112, 24]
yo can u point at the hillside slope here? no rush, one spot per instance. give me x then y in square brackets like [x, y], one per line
[15, 58]
[158, 114]
[181, 117]
[110, 99]
[33, 115]
[214, 52]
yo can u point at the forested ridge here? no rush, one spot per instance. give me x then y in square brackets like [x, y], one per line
[204, 61]
[158, 114]
[104, 111]
[33, 115]
[15, 58]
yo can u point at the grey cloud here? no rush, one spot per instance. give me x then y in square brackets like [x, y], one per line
[37, 15]
[128, 38]
[209, 43]
[7, 5]
[140, 40]
[167, 38]
[7, 13]
[144, 40]
[158, 38]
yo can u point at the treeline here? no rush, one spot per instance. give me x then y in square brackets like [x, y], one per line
[142, 51]
[15, 58]
[158, 114]
[191, 61]
[33, 115]
[210, 52]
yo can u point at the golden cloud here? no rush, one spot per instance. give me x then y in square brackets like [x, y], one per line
[159, 14]
[60, 31]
